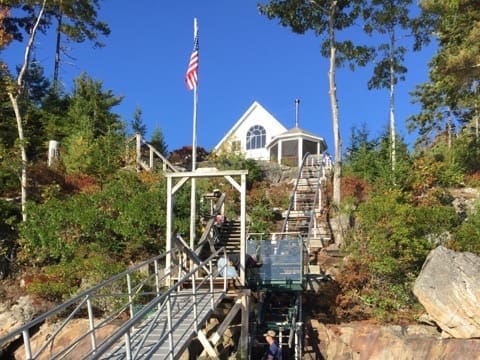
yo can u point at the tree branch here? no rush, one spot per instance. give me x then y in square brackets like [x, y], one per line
[28, 48]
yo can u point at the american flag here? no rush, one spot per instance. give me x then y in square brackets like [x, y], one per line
[191, 77]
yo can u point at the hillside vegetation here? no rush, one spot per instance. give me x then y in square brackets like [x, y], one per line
[89, 214]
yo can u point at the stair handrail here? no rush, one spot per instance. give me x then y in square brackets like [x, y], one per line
[321, 174]
[292, 197]
[85, 299]
[323, 167]
[206, 238]
[131, 323]
[166, 165]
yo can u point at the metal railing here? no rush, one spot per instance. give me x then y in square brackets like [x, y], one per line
[323, 162]
[312, 220]
[135, 292]
[196, 279]
[292, 196]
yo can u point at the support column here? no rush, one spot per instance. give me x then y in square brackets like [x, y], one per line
[169, 231]
[138, 150]
[279, 152]
[243, 227]
[245, 325]
[299, 151]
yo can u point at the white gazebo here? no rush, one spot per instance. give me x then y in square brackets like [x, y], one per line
[289, 147]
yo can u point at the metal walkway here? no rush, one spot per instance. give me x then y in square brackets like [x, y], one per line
[161, 337]
[161, 319]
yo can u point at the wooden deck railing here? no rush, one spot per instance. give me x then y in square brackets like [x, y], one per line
[145, 156]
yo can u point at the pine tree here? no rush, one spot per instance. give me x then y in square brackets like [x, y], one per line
[158, 142]
[137, 124]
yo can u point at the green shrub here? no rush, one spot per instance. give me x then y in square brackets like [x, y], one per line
[91, 265]
[392, 237]
[260, 211]
[467, 236]
[55, 283]
[126, 219]
[238, 162]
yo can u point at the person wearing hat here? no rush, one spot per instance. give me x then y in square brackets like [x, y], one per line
[273, 352]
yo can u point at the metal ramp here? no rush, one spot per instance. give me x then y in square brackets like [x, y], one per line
[150, 311]
[162, 336]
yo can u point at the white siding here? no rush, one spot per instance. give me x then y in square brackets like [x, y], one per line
[255, 115]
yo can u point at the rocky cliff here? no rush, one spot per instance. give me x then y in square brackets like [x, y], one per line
[362, 340]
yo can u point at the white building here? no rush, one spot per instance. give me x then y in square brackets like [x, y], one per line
[251, 134]
[259, 136]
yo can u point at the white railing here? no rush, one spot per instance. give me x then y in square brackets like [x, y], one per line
[154, 156]
[323, 165]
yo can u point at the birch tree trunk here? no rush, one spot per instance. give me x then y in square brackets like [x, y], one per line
[14, 95]
[337, 140]
[393, 146]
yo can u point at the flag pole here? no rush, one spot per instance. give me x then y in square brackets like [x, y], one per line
[195, 100]
[193, 209]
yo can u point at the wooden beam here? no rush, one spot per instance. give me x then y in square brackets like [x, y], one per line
[234, 183]
[245, 315]
[206, 345]
[217, 335]
[178, 185]
[206, 173]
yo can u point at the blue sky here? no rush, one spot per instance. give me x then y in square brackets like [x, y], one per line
[243, 57]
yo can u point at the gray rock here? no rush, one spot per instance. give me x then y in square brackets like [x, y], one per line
[449, 288]
[340, 224]
[19, 314]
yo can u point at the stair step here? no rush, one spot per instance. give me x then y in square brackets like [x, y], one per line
[316, 243]
[314, 269]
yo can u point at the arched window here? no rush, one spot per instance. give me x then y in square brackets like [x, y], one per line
[256, 137]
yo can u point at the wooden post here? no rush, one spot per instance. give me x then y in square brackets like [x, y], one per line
[245, 325]
[139, 150]
[169, 230]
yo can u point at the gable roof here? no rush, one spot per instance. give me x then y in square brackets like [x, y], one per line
[255, 107]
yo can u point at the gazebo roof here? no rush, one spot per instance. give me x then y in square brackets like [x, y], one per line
[295, 133]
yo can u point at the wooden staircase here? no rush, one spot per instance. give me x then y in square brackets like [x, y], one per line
[229, 236]
[307, 214]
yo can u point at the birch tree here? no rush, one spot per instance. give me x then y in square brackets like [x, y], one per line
[15, 92]
[393, 20]
[387, 16]
[73, 20]
[325, 18]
